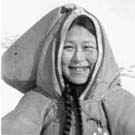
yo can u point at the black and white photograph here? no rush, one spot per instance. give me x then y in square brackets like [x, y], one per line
[68, 67]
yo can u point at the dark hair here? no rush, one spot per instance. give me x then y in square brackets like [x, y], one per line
[69, 93]
[85, 22]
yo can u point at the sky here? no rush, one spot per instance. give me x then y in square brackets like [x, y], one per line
[117, 17]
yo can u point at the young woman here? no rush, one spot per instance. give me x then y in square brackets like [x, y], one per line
[70, 79]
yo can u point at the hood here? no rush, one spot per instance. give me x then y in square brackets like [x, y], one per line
[49, 75]
[48, 39]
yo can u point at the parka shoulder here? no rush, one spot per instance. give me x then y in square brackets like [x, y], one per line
[119, 106]
[28, 115]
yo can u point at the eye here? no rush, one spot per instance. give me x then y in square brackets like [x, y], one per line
[68, 47]
[89, 47]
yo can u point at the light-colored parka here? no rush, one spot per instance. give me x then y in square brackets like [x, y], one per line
[33, 66]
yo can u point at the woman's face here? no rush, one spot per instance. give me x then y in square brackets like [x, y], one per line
[79, 55]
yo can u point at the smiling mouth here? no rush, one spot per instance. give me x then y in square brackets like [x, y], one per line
[79, 69]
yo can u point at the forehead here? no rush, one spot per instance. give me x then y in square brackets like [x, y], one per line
[79, 33]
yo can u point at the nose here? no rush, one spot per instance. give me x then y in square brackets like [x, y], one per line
[79, 55]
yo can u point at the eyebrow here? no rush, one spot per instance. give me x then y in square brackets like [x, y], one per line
[89, 41]
[71, 41]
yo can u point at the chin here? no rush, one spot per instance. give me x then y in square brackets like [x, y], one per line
[79, 81]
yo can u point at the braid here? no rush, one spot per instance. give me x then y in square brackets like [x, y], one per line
[67, 97]
[78, 112]
[67, 94]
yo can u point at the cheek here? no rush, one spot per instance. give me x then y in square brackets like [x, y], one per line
[92, 57]
[95, 56]
[66, 58]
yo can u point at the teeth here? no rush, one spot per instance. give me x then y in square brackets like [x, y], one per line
[80, 69]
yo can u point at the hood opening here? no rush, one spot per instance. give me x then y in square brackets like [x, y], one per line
[50, 77]
[94, 27]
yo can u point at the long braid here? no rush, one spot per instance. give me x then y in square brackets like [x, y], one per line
[67, 94]
[67, 98]
[78, 113]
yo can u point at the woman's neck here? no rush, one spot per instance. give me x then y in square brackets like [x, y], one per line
[79, 88]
